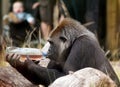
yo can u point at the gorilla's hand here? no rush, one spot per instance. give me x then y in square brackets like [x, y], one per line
[26, 68]
[14, 60]
[32, 71]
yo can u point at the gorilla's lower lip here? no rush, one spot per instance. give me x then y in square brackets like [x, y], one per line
[50, 57]
[47, 56]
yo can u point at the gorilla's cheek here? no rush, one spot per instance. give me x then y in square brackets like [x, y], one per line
[62, 47]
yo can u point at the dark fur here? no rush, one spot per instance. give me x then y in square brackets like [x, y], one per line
[72, 47]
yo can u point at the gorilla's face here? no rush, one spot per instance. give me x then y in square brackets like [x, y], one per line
[59, 46]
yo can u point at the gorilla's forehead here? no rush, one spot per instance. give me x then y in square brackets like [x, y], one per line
[67, 23]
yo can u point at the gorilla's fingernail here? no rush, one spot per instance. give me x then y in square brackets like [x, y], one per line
[28, 58]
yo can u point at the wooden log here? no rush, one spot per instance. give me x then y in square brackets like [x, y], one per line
[0, 17]
[9, 77]
[113, 26]
[118, 24]
[1, 48]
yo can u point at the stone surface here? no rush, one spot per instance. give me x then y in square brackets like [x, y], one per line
[87, 77]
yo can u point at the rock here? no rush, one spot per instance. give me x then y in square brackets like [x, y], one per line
[87, 77]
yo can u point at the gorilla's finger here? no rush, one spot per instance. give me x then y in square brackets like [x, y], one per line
[18, 58]
[15, 56]
[6, 57]
[28, 60]
[36, 61]
[9, 56]
[14, 60]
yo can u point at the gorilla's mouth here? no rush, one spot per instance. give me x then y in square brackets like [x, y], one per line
[50, 56]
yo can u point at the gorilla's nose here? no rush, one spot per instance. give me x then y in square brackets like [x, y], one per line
[45, 49]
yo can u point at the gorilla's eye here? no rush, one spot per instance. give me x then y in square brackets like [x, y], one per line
[63, 39]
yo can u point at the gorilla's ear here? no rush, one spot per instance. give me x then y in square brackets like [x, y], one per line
[63, 38]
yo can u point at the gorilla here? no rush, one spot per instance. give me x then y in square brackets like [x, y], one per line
[72, 47]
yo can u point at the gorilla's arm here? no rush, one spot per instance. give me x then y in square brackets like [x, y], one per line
[55, 65]
[86, 52]
[40, 75]
[33, 72]
[81, 54]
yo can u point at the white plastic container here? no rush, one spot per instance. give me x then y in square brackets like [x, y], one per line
[32, 53]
